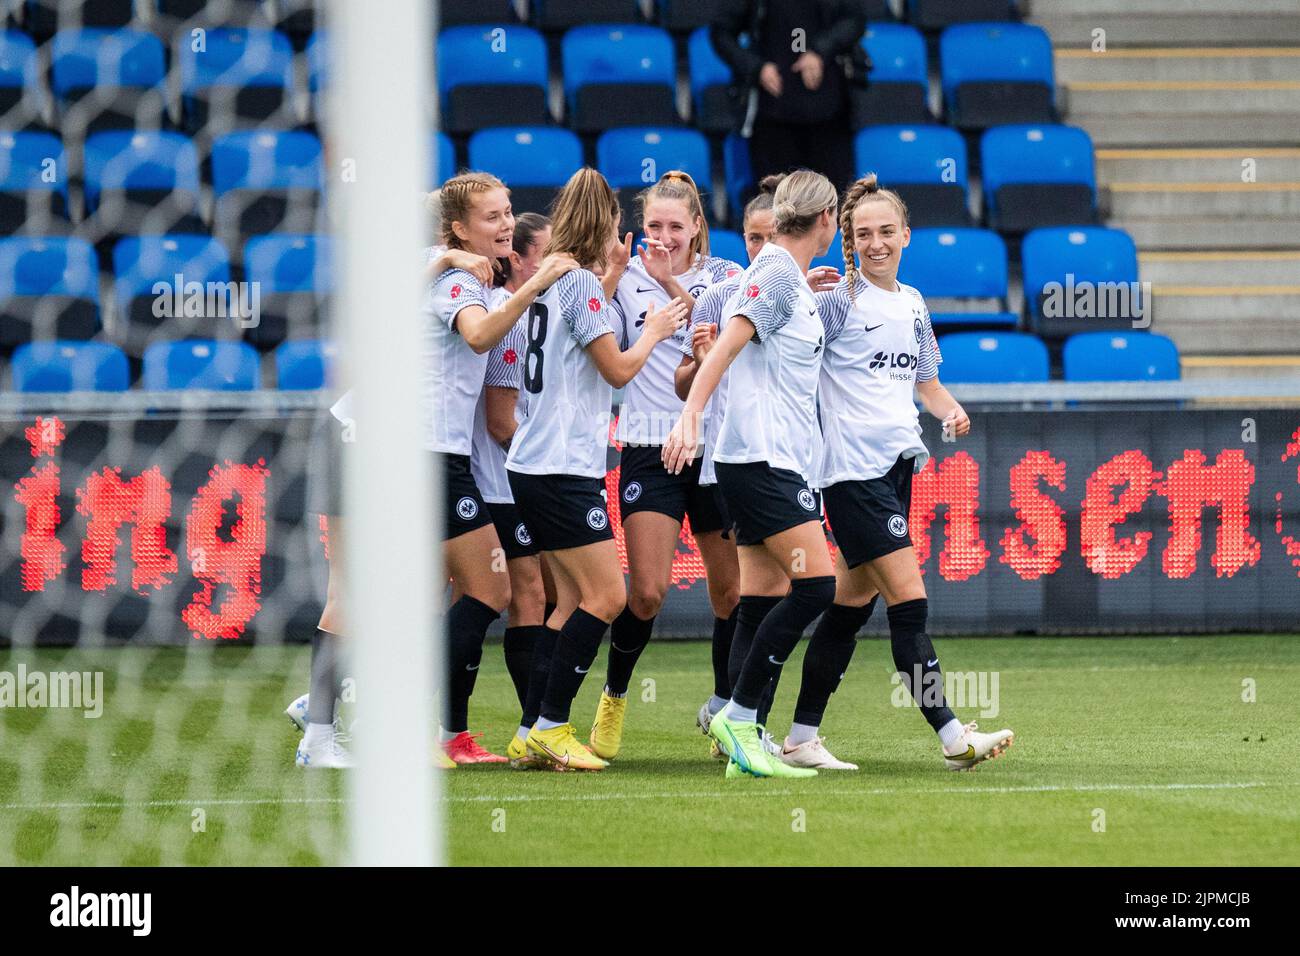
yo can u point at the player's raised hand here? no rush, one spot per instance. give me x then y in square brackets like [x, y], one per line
[658, 261]
[702, 338]
[480, 267]
[554, 266]
[662, 322]
[823, 278]
[957, 423]
[679, 450]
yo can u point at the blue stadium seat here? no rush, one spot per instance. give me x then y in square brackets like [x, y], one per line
[504, 66]
[738, 171]
[933, 15]
[458, 12]
[1120, 357]
[129, 64]
[718, 107]
[145, 270]
[33, 192]
[246, 72]
[1080, 279]
[992, 357]
[304, 365]
[608, 67]
[443, 157]
[926, 165]
[266, 181]
[556, 15]
[19, 79]
[728, 245]
[963, 275]
[622, 154]
[533, 161]
[49, 289]
[1037, 176]
[997, 73]
[200, 364]
[141, 183]
[295, 279]
[898, 90]
[65, 366]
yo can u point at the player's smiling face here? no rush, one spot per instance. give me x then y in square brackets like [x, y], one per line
[879, 238]
[491, 225]
[669, 221]
[760, 227]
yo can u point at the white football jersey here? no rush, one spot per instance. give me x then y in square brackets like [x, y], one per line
[775, 375]
[453, 371]
[650, 405]
[488, 460]
[878, 346]
[709, 308]
[564, 402]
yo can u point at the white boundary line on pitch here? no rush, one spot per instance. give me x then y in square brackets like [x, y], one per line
[595, 797]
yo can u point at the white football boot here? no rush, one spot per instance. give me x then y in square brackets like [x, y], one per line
[297, 712]
[974, 747]
[813, 753]
[327, 753]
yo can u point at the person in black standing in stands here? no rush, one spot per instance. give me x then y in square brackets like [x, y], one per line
[802, 59]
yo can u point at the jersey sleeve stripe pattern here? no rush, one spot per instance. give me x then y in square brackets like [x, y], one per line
[585, 310]
[503, 360]
[453, 292]
[768, 296]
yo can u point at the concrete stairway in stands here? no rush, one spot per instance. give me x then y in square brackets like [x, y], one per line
[1194, 110]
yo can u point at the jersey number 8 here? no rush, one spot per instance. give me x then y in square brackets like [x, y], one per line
[534, 359]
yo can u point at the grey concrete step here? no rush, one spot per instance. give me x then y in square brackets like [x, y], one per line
[1279, 100]
[1229, 330]
[1270, 165]
[1143, 29]
[1037, 8]
[1251, 233]
[1215, 267]
[1209, 129]
[1199, 200]
[1218, 366]
[1185, 63]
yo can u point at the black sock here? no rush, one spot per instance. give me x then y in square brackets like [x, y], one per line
[467, 624]
[723, 629]
[628, 637]
[914, 657]
[769, 697]
[750, 612]
[829, 652]
[779, 633]
[324, 687]
[574, 652]
[538, 674]
[518, 648]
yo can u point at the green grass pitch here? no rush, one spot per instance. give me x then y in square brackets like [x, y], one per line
[1129, 751]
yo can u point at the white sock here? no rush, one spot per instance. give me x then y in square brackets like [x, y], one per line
[741, 715]
[950, 733]
[522, 732]
[715, 704]
[610, 693]
[446, 735]
[544, 724]
[801, 734]
[318, 734]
